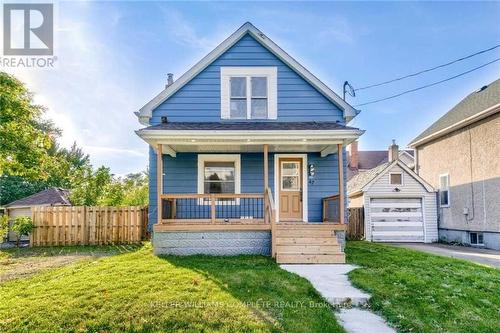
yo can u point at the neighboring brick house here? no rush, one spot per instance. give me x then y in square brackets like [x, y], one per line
[460, 155]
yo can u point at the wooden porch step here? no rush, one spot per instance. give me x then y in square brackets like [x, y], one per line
[308, 249]
[295, 258]
[296, 233]
[307, 240]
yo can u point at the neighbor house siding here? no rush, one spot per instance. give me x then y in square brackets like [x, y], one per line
[411, 188]
[181, 175]
[471, 158]
[199, 100]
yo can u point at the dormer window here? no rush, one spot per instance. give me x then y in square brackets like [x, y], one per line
[248, 93]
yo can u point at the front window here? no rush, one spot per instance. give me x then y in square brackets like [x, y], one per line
[290, 176]
[248, 92]
[219, 174]
[219, 177]
[444, 190]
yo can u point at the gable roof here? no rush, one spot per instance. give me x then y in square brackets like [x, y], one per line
[50, 196]
[364, 179]
[477, 105]
[145, 113]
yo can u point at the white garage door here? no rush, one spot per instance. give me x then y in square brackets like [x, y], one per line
[397, 220]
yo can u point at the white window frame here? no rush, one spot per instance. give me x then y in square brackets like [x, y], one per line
[271, 73]
[477, 238]
[202, 158]
[447, 175]
[396, 173]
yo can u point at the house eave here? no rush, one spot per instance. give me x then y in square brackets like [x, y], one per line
[458, 125]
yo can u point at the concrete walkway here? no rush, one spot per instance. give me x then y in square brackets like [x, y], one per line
[479, 256]
[332, 283]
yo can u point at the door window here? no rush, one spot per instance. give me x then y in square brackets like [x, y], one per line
[290, 176]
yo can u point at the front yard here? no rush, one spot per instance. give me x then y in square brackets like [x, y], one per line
[132, 290]
[419, 292]
[127, 288]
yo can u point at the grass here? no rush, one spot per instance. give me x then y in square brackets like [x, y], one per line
[419, 292]
[131, 290]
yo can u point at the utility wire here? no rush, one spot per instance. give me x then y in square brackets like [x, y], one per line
[428, 70]
[429, 85]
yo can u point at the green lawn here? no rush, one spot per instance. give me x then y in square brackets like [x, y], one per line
[418, 292]
[129, 289]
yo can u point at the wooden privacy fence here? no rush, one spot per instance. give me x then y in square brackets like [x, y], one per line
[356, 226]
[82, 225]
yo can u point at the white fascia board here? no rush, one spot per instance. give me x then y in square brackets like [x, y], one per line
[333, 135]
[467, 121]
[146, 111]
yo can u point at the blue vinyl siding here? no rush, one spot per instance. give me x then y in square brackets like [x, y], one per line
[181, 176]
[199, 100]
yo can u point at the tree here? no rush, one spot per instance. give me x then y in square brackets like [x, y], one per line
[24, 136]
[4, 227]
[88, 186]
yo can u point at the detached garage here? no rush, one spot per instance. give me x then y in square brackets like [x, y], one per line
[399, 206]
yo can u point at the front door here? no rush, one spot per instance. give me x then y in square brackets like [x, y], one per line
[290, 191]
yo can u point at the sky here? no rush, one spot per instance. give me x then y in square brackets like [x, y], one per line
[113, 57]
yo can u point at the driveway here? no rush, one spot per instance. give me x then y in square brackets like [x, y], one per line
[478, 256]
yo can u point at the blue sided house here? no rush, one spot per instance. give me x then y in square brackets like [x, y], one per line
[247, 156]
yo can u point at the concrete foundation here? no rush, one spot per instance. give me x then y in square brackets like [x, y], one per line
[216, 243]
[491, 239]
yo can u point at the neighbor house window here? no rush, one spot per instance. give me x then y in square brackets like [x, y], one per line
[219, 174]
[444, 190]
[396, 178]
[248, 93]
[476, 238]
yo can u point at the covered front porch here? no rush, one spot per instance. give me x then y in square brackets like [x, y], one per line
[285, 184]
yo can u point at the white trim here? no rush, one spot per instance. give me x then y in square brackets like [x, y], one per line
[277, 186]
[396, 173]
[168, 150]
[462, 123]
[271, 73]
[202, 158]
[145, 113]
[329, 150]
[447, 175]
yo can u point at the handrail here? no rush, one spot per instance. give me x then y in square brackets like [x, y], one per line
[331, 209]
[271, 217]
[212, 208]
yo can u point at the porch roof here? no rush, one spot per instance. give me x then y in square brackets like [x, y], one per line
[248, 126]
[249, 136]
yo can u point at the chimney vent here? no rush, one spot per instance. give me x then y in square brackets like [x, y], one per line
[393, 151]
[164, 120]
[170, 79]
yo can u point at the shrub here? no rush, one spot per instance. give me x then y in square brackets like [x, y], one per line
[22, 226]
[4, 227]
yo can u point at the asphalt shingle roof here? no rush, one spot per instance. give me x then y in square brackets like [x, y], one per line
[476, 102]
[248, 126]
[50, 196]
[362, 178]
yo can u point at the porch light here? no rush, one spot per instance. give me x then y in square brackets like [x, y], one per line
[193, 140]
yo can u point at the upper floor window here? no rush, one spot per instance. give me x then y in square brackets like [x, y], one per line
[444, 190]
[248, 92]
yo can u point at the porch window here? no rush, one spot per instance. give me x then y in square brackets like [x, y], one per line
[444, 190]
[219, 174]
[248, 92]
